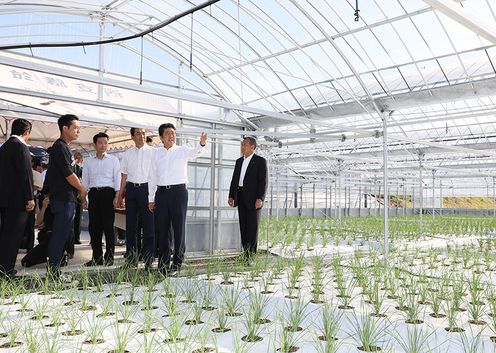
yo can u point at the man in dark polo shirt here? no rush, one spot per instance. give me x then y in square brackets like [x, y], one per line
[64, 188]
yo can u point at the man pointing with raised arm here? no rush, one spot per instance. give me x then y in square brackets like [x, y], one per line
[168, 195]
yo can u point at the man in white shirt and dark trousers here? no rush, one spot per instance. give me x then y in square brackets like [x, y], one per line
[168, 195]
[101, 179]
[135, 167]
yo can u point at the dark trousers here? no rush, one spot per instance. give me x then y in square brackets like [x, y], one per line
[77, 222]
[38, 254]
[70, 241]
[28, 240]
[12, 227]
[63, 215]
[170, 211]
[101, 221]
[137, 204]
[249, 219]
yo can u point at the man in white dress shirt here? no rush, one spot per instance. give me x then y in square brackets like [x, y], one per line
[135, 167]
[168, 196]
[102, 180]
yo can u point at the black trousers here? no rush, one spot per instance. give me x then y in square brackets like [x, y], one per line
[38, 254]
[77, 222]
[249, 219]
[170, 212]
[12, 227]
[101, 220]
[137, 204]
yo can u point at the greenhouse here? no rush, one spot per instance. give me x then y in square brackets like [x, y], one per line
[376, 121]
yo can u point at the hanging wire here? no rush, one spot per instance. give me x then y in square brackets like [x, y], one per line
[191, 46]
[141, 62]
[111, 40]
[357, 12]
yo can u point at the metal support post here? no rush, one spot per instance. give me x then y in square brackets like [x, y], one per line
[338, 199]
[433, 193]
[494, 202]
[385, 181]
[421, 195]
[313, 201]
[441, 196]
[213, 147]
[101, 60]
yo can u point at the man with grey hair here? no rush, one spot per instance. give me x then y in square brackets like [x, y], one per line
[247, 192]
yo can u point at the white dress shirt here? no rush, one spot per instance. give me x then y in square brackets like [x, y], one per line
[99, 173]
[170, 167]
[20, 139]
[136, 163]
[244, 166]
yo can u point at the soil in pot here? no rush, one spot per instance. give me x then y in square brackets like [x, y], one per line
[289, 350]
[72, 333]
[251, 339]
[130, 302]
[11, 345]
[414, 322]
[263, 321]
[204, 350]
[98, 341]
[324, 338]
[293, 329]
[370, 349]
[454, 329]
[174, 340]
[220, 330]
[437, 316]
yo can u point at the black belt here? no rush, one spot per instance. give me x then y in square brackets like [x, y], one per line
[102, 188]
[167, 187]
[136, 185]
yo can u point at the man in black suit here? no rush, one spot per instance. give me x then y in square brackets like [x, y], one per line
[247, 191]
[16, 194]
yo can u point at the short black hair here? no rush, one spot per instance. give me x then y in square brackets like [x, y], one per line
[66, 120]
[149, 139]
[97, 136]
[252, 139]
[20, 126]
[162, 128]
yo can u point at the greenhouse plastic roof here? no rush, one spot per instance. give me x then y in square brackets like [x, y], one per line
[304, 73]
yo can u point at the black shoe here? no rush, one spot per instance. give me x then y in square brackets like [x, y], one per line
[64, 261]
[173, 270]
[94, 263]
[8, 276]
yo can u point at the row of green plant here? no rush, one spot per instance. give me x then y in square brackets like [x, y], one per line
[307, 232]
